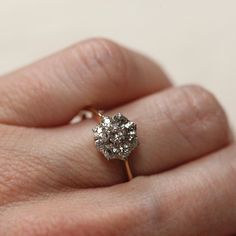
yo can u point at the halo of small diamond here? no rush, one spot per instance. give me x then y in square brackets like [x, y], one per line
[115, 137]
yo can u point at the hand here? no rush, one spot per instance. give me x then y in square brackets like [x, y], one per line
[54, 182]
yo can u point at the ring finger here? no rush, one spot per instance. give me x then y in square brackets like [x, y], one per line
[174, 127]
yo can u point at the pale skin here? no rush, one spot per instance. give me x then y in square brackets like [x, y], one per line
[54, 182]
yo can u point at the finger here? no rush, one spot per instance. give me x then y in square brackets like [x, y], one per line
[184, 124]
[94, 72]
[32, 164]
[117, 210]
[195, 199]
[198, 198]
[174, 127]
[52, 159]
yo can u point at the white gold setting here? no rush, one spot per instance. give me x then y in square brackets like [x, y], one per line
[115, 137]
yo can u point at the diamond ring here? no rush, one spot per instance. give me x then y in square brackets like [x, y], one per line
[115, 137]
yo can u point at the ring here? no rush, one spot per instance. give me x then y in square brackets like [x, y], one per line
[115, 137]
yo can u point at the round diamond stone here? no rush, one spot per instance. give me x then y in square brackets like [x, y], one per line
[115, 137]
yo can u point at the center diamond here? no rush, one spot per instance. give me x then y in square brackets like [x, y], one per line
[115, 137]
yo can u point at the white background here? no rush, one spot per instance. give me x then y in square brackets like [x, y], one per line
[195, 41]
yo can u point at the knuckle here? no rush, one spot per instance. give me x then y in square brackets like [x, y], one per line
[105, 56]
[201, 95]
[197, 116]
[204, 104]
[207, 111]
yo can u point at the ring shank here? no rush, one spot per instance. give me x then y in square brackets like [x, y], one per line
[97, 114]
[128, 170]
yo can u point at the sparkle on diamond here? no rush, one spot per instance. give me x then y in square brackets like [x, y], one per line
[115, 137]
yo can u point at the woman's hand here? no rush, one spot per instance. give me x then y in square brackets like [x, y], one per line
[54, 182]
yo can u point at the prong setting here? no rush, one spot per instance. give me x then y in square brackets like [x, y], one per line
[115, 137]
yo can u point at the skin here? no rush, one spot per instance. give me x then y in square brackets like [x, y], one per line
[54, 182]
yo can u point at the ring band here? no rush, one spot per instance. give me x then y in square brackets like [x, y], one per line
[115, 137]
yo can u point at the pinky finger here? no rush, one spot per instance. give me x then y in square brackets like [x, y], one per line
[195, 199]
